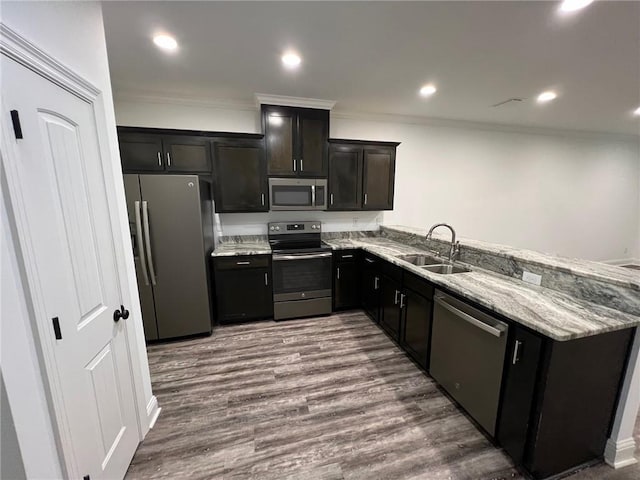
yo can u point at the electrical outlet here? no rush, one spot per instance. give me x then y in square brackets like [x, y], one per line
[531, 278]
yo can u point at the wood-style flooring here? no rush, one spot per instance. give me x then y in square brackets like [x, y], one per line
[321, 398]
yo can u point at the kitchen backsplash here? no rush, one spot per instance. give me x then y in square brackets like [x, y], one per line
[232, 224]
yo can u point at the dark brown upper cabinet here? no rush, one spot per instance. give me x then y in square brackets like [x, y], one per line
[240, 175]
[141, 152]
[187, 153]
[345, 177]
[361, 175]
[296, 141]
[153, 150]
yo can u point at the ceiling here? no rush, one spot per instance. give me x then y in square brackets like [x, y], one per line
[372, 57]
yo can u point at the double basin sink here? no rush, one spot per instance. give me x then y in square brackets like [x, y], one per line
[432, 264]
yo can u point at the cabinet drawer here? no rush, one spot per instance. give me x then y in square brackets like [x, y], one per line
[244, 261]
[391, 270]
[419, 285]
[345, 255]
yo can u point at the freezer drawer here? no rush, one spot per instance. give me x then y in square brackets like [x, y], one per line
[467, 357]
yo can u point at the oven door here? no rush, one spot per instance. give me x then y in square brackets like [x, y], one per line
[301, 276]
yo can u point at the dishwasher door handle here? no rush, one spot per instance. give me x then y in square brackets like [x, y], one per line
[496, 332]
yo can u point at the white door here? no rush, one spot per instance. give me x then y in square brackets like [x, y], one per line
[70, 239]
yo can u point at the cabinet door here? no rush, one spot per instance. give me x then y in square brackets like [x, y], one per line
[141, 152]
[390, 306]
[313, 136]
[370, 288]
[345, 177]
[379, 173]
[240, 176]
[417, 326]
[187, 154]
[345, 292]
[523, 357]
[279, 127]
[234, 287]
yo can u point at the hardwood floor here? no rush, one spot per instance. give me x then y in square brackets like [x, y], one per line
[322, 398]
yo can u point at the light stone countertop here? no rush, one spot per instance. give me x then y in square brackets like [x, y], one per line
[552, 313]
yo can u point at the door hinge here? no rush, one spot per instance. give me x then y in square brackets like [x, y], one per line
[56, 328]
[17, 128]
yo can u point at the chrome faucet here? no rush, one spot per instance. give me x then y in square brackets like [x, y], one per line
[454, 250]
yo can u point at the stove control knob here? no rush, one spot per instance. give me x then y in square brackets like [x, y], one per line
[277, 228]
[313, 227]
[272, 228]
[318, 227]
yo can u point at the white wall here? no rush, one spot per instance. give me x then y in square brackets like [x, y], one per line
[73, 33]
[573, 195]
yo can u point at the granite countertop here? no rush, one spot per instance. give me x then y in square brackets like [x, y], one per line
[586, 268]
[552, 313]
[231, 249]
[549, 312]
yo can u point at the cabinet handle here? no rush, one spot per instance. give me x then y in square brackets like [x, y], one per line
[168, 159]
[395, 298]
[266, 279]
[243, 263]
[516, 352]
[368, 260]
[301, 166]
[347, 256]
[159, 159]
[402, 295]
[376, 280]
[365, 198]
[262, 196]
[331, 198]
[294, 164]
[338, 270]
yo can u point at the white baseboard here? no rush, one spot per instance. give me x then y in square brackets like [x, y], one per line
[622, 261]
[153, 411]
[620, 454]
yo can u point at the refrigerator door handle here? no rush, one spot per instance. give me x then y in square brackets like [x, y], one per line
[147, 241]
[143, 262]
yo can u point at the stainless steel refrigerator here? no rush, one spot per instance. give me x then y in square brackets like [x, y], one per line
[171, 223]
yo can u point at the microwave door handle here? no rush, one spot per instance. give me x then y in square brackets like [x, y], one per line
[313, 195]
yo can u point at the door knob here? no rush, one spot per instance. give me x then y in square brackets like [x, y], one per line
[122, 313]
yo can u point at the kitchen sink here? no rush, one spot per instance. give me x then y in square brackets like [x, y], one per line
[445, 269]
[420, 260]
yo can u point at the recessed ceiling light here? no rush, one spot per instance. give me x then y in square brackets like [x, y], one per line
[547, 96]
[428, 90]
[573, 5]
[291, 59]
[636, 112]
[165, 42]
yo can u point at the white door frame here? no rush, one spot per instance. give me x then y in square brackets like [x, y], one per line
[21, 50]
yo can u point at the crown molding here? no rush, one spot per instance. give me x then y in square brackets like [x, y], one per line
[267, 99]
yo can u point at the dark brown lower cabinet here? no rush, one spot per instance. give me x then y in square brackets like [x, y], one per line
[346, 280]
[391, 302]
[559, 399]
[417, 313]
[243, 288]
[370, 286]
[523, 359]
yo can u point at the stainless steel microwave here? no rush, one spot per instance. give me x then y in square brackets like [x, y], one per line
[298, 193]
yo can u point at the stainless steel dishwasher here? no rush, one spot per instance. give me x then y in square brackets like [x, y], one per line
[467, 357]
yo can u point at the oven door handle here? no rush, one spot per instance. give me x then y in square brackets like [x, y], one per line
[309, 256]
